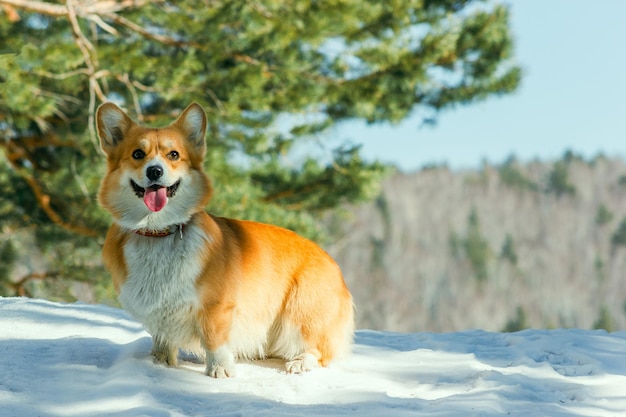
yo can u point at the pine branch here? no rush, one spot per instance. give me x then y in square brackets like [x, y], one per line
[133, 93]
[44, 200]
[16, 153]
[165, 40]
[19, 287]
[84, 8]
[291, 192]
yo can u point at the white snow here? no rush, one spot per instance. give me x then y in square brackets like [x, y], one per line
[90, 360]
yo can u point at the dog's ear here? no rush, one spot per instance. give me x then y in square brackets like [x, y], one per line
[112, 124]
[193, 123]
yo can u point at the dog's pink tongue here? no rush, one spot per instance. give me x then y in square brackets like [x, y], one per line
[155, 198]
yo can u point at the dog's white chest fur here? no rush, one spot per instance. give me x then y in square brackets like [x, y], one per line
[160, 288]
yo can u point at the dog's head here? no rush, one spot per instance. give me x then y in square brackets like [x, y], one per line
[154, 177]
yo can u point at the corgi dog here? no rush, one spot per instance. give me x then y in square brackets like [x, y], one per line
[222, 288]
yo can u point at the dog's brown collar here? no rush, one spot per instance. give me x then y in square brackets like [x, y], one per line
[163, 232]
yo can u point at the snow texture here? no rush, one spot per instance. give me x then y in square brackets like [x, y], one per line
[89, 360]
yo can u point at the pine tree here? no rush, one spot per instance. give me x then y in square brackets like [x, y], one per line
[558, 180]
[518, 323]
[272, 76]
[476, 247]
[508, 251]
[603, 216]
[604, 321]
[619, 236]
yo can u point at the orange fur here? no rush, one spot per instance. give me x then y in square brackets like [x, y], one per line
[233, 288]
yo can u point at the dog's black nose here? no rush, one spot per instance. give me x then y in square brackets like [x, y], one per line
[154, 172]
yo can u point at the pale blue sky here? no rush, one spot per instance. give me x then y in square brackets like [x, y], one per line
[573, 96]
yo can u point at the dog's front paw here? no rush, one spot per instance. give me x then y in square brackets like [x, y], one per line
[220, 363]
[301, 364]
[220, 371]
[163, 355]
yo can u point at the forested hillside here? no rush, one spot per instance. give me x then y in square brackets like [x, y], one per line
[501, 248]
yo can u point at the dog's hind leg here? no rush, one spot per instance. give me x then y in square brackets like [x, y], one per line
[324, 325]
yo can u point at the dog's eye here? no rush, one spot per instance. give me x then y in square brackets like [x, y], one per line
[138, 154]
[173, 156]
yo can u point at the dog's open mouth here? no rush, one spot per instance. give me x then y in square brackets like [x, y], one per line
[155, 197]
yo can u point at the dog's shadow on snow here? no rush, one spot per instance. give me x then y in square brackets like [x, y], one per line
[191, 361]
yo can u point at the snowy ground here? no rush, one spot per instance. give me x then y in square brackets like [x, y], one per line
[88, 360]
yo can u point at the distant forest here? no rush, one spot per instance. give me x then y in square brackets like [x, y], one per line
[501, 248]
